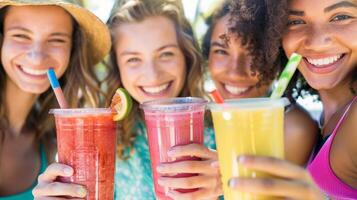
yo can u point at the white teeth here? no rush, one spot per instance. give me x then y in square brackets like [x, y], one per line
[235, 90]
[324, 61]
[155, 90]
[35, 72]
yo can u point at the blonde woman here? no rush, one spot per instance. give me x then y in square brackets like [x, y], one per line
[161, 60]
[35, 37]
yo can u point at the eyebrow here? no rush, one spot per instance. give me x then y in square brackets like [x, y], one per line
[218, 44]
[296, 13]
[19, 28]
[126, 53]
[60, 34]
[168, 46]
[342, 4]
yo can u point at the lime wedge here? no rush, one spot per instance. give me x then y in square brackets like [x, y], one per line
[121, 104]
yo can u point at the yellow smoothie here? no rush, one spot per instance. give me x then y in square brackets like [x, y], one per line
[254, 128]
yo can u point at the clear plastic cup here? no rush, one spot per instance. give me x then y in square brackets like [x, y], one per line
[172, 122]
[86, 140]
[247, 127]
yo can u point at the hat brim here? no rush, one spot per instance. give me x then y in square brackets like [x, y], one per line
[97, 33]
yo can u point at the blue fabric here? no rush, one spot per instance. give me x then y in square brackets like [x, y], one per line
[133, 179]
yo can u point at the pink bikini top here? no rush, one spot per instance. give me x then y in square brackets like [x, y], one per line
[322, 173]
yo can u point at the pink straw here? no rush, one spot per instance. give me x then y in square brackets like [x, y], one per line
[57, 89]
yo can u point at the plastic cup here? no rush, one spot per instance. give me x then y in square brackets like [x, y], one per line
[172, 122]
[86, 140]
[247, 127]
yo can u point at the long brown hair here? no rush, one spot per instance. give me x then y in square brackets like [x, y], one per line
[131, 11]
[79, 84]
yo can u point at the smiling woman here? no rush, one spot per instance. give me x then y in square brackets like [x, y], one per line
[324, 32]
[35, 37]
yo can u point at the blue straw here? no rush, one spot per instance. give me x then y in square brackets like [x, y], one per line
[57, 88]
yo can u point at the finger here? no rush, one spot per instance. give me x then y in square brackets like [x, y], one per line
[197, 195]
[274, 166]
[59, 189]
[55, 170]
[190, 182]
[200, 167]
[196, 150]
[276, 187]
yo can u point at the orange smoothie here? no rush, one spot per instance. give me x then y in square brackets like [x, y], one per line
[247, 126]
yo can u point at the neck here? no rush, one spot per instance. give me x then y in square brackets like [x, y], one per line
[18, 105]
[335, 99]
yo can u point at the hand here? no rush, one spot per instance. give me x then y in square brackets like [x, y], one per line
[290, 180]
[208, 178]
[48, 189]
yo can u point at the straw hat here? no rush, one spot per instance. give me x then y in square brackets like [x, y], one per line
[97, 33]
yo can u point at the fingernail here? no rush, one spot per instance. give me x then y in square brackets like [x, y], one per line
[242, 159]
[215, 164]
[68, 171]
[159, 181]
[232, 182]
[171, 153]
[159, 168]
[81, 192]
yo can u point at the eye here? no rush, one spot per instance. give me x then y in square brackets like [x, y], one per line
[341, 18]
[57, 40]
[133, 60]
[166, 54]
[295, 22]
[220, 52]
[21, 37]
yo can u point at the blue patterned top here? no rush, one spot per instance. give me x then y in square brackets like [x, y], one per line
[133, 177]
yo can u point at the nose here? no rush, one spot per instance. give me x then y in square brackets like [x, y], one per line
[152, 72]
[318, 39]
[240, 65]
[36, 55]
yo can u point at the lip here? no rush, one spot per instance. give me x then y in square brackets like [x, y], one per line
[241, 95]
[325, 69]
[159, 94]
[30, 76]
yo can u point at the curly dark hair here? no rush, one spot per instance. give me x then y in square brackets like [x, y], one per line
[260, 25]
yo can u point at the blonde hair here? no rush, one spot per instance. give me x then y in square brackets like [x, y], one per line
[79, 84]
[131, 11]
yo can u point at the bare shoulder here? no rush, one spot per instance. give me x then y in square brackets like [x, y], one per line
[301, 133]
[299, 121]
[349, 130]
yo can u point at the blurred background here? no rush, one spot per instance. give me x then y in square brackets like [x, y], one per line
[196, 11]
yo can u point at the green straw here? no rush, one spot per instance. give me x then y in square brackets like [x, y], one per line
[285, 76]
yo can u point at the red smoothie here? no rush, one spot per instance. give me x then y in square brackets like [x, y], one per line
[170, 123]
[86, 140]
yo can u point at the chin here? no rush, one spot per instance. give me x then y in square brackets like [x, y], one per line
[35, 90]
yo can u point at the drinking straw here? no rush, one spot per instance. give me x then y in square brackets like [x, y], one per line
[286, 76]
[212, 90]
[57, 88]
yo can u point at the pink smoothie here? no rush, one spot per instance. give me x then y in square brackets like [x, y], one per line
[86, 141]
[170, 123]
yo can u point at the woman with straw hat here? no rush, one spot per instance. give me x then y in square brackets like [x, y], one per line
[36, 36]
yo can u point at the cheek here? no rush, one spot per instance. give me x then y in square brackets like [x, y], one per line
[348, 36]
[292, 41]
[217, 66]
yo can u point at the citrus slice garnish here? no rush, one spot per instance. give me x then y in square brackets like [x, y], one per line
[121, 104]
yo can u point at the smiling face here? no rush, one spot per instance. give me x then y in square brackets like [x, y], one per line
[229, 65]
[324, 32]
[151, 63]
[36, 38]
